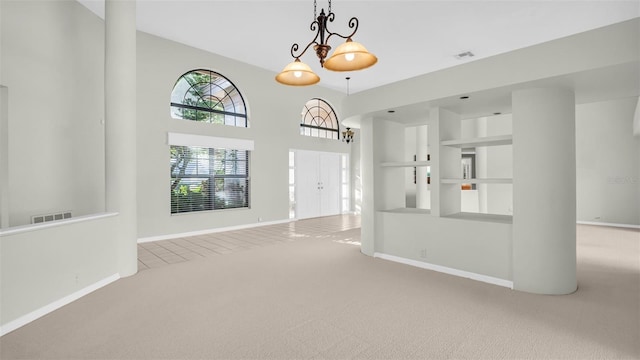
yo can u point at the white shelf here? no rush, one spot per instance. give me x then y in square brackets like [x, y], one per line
[405, 163]
[477, 181]
[408, 211]
[494, 218]
[483, 141]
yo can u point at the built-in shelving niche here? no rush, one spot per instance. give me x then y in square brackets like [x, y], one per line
[488, 141]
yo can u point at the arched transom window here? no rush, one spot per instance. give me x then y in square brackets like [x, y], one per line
[206, 96]
[319, 120]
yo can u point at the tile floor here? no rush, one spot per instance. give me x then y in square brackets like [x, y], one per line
[161, 253]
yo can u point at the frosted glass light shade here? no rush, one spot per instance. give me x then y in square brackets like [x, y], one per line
[350, 56]
[297, 73]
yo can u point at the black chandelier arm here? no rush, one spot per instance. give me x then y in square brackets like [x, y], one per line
[353, 24]
[314, 27]
[295, 47]
[320, 26]
[331, 16]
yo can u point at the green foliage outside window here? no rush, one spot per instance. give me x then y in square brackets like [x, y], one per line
[205, 96]
[208, 179]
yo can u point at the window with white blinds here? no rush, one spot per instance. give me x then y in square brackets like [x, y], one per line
[208, 179]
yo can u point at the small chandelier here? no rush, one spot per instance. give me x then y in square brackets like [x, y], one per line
[349, 56]
[347, 135]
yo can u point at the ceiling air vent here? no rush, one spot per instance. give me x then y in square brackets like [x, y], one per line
[464, 55]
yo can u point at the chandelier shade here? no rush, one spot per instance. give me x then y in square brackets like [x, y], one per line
[297, 73]
[350, 56]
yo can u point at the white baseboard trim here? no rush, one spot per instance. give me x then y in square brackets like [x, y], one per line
[446, 270]
[210, 231]
[628, 226]
[34, 315]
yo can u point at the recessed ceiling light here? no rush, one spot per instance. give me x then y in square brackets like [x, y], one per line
[464, 97]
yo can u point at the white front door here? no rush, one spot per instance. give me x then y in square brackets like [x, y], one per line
[317, 184]
[307, 184]
[329, 184]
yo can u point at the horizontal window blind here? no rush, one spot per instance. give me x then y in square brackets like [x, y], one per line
[208, 179]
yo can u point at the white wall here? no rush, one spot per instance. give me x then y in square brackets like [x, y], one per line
[479, 247]
[416, 235]
[274, 116]
[596, 49]
[52, 63]
[43, 264]
[51, 68]
[608, 162]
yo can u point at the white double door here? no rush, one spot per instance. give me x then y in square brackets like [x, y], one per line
[317, 184]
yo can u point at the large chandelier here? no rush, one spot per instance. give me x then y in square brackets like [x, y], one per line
[348, 56]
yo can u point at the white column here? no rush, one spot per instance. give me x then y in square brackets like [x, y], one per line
[423, 200]
[120, 127]
[544, 191]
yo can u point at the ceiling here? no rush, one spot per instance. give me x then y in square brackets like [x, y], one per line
[409, 38]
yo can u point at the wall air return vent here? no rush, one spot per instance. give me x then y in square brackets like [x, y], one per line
[37, 219]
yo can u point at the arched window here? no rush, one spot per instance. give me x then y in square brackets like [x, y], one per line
[319, 120]
[206, 96]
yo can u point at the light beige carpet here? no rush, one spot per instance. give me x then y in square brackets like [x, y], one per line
[319, 298]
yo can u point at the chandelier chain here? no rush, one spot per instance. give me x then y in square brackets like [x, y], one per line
[349, 56]
[315, 9]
